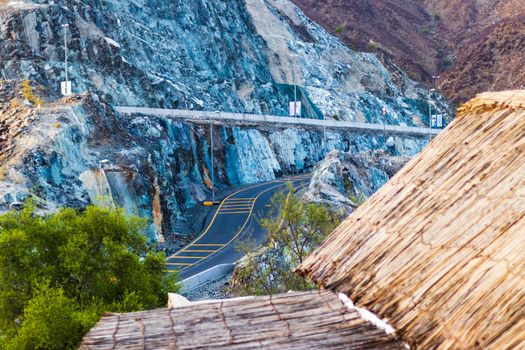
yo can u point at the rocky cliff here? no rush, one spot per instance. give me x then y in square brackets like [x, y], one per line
[78, 151]
[343, 180]
[240, 55]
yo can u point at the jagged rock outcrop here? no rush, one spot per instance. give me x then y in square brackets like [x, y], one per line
[343, 180]
[243, 56]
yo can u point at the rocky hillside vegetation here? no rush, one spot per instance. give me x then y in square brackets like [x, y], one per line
[241, 56]
[474, 45]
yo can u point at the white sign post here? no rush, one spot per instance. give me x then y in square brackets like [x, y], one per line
[440, 120]
[437, 121]
[65, 88]
[295, 109]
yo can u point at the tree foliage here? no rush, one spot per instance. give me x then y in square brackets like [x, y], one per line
[294, 229]
[60, 272]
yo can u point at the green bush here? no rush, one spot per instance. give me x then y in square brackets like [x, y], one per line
[372, 45]
[60, 272]
[294, 230]
[340, 28]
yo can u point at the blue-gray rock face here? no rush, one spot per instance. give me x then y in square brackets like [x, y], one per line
[343, 180]
[236, 55]
[80, 152]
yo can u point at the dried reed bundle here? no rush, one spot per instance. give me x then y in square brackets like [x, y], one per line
[440, 250]
[312, 320]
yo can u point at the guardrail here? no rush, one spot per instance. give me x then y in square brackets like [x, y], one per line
[259, 118]
[210, 275]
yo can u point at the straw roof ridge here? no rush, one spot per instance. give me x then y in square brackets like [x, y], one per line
[315, 319]
[486, 101]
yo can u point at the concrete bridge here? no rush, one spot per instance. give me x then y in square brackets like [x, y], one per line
[243, 118]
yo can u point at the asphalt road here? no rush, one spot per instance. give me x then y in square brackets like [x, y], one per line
[235, 219]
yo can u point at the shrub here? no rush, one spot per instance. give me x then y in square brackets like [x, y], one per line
[29, 93]
[294, 229]
[372, 45]
[60, 272]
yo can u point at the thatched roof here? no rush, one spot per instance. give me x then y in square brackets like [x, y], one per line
[314, 320]
[440, 250]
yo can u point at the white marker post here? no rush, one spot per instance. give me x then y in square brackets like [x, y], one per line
[212, 161]
[430, 114]
[65, 86]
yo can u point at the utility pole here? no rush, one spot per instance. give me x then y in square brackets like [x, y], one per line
[294, 78]
[65, 26]
[294, 63]
[436, 77]
[212, 161]
[324, 130]
[430, 114]
[66, 87]
[294, 92]
[212, 170]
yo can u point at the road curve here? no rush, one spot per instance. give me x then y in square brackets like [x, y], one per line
[234, 219]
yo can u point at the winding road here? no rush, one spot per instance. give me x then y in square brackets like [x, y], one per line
[234, 219]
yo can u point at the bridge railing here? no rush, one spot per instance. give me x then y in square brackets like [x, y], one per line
[259, 118]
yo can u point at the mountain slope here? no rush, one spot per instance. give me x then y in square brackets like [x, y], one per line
[492, 61]
[390, 27]
[242, 56]
[239, 55]
[452, 38]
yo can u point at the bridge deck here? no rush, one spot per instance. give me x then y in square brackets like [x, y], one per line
[272, 119]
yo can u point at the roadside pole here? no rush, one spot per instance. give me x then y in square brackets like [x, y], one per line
[65, 26]
[324, 130]
[294, 91]
[294, 78]
[212, 159]
[66, 86]
[430, 114]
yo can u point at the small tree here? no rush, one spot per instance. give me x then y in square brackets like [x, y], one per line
[60, 272]
[294, 229]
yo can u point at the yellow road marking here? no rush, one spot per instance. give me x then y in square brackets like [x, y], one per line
[234, 212]
[234, 209]
[237, 206]
[179, 264]
[197, 251]
[207, 245]
[246, 222]
[220, 206]
[238, 203]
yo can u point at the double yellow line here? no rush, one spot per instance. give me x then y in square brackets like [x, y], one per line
[250, 212]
